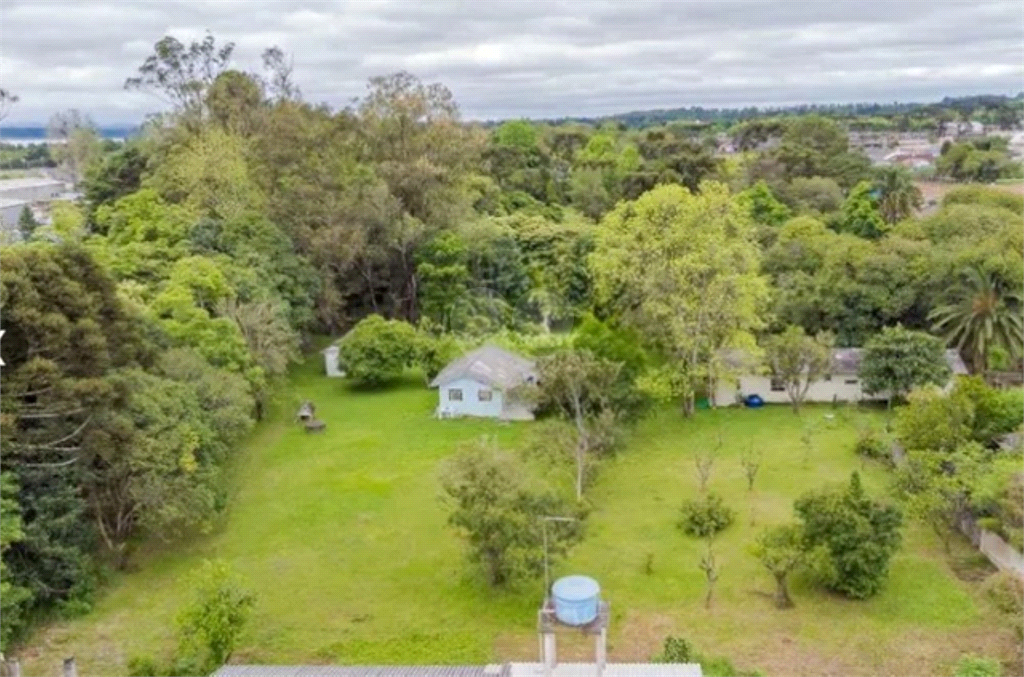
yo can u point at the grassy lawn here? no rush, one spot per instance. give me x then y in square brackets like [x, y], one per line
[344, 539]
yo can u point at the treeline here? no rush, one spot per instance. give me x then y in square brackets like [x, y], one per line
[145, 327]
[994, 109]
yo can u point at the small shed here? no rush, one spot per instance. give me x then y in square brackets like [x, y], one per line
[481, 383]
[331, 366]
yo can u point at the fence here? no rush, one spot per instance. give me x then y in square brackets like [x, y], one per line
[999, 552]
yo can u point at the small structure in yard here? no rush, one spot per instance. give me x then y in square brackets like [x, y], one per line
[315, 426]
[306, 412]
[840, 384]
[331, 366]
[482, 382]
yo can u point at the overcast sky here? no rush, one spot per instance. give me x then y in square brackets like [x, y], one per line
[511, 58]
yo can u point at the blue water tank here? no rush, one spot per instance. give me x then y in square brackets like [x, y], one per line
[576, 599]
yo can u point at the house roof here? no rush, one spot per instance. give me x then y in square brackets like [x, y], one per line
[506, 670]
[610, 670]
[490, 365]
[358, 671]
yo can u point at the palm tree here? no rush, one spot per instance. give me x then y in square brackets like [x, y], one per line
[986, 312]
[898, 197]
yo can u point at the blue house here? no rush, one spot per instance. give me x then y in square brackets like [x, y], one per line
[480, 383]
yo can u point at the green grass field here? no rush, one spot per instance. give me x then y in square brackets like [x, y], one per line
[343, 537]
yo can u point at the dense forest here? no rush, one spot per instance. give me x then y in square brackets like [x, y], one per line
[146, 326]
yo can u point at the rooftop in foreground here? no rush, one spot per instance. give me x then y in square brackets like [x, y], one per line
[506, 670]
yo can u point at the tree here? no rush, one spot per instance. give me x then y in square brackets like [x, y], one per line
[860, 213]
[27, 224]
[280, 82]
[14, 599]
[180, 75]
[79, 141]
[209, 627]
[682, 270]
[940, 486]
[859, 534]
[798, 360]
[499, 514]
[764, 207]
[809, 143]
[817, 193]
[898, 196]
[985, 312]
[896, 360]
[7, 101]
[579, 386]
[751, 463]
[711, 571]
[781, 550]
[66, 330]
[376, 350]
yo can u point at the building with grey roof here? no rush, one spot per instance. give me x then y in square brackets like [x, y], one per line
[840, 384]
[482, 383]
[32, 189]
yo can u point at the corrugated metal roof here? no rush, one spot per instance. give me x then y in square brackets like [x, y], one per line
[358, 671]
[489, 365]
[610, 670]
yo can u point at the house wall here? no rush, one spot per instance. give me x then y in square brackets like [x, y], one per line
[31, 191]
[470, 404]
[820, 391]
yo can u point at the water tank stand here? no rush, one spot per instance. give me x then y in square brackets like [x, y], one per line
[548, 623]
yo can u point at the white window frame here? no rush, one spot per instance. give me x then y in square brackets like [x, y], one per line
[455, 394]
[482, 392]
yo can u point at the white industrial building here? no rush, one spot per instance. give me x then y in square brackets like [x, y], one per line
[33, 189]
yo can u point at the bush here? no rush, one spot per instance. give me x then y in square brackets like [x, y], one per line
[1006, 590]
[210, 625]
[144, 666]
[676, 650]
[996, 412]
[679, 650]
[376, 350]
[871, 445]
[860, 536]
[970, 665]
[706, 517]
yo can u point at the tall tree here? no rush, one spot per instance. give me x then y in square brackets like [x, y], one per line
[683, 270]
[180, 74]
[899, 197]
[501, 515]
[798, 360]
[79, 142]
[897, 360]
[985, 312]
[581, 388]
[7, 101]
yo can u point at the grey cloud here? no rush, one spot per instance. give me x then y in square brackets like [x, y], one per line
[507, 58]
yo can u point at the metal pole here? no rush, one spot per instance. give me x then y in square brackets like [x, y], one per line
[547, 576]
[70, 670]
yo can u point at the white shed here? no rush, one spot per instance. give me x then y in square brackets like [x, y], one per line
[331, 366]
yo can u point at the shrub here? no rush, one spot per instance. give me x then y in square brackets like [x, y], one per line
[144, 666]
[996, 412]
[1006, 590]
[970, 665]
[210, 625]
[871, 445]
[376, 350]
[706, 517]
[676, 650]
[679, 650]
[860, 536]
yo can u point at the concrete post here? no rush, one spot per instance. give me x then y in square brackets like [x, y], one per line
[601, 650]
[550, 657]
[69, 667]
[14, 667]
